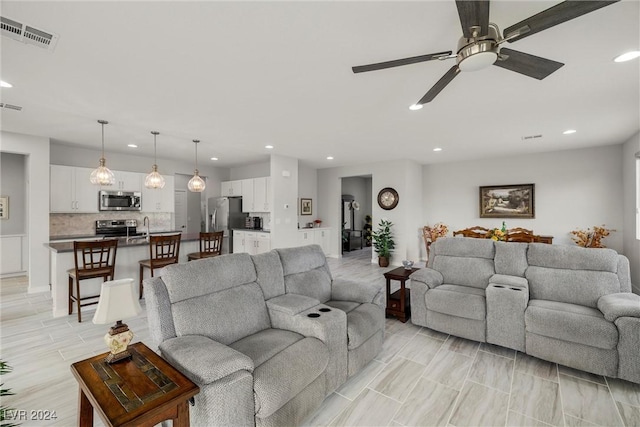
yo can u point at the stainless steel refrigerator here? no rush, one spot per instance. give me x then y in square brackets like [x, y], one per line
[225, 214]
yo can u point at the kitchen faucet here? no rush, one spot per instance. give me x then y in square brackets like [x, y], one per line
[146, 221]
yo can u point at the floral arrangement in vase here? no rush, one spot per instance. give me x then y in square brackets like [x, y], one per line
[318, 222]
[498, 234]
[591, 238]
[431, 234]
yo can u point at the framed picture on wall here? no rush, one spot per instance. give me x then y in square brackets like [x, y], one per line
[507, 201]
[305, 207]
[4, 207]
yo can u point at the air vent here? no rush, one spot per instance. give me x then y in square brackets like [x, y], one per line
[10, 106]
[28, 34]
[528, 137]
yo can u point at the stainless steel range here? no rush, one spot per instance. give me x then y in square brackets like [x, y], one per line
[117, 228]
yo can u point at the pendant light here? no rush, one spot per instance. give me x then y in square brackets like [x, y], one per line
[154, 179]
[102, 175]
[196, 184]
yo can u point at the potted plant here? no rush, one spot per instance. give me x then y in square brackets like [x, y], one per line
[367, 229]
[383, 242]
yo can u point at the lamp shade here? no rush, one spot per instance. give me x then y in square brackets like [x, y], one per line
[117, 302]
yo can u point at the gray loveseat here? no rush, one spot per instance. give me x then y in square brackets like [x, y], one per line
[565, 304]
[266, 337]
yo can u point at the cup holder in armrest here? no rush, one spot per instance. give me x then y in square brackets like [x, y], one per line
[313, 315]
[324, 309]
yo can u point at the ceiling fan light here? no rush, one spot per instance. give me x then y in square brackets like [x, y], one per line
[478, 61]
[415, 107]
[628, 56]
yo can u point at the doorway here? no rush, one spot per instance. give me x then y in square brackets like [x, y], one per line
[357, 211]
[181, 210]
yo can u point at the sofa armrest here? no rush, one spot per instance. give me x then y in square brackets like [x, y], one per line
[351, 290]
[623, 304]
[511, 281]
[291, 304]
[430, 277]
[202, 359]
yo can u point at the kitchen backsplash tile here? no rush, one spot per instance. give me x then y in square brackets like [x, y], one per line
[83, 224]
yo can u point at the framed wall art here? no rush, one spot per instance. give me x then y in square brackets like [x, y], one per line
[305, 207]
[4, 207]
[507, 201]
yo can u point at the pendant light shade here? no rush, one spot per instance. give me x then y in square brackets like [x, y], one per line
[154, 179]
[102, 175]
[196, 184]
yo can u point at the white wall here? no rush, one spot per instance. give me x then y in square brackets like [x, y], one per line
[573, 189]
[255, 170]
[12, 185]
[403, 176]
[37, 202]
[308, 189]
[630, 154]
[284, 188]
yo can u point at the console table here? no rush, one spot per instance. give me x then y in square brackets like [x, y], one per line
[142, 391]
[399, 303]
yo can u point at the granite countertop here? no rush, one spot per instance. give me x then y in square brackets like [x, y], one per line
[122, 241]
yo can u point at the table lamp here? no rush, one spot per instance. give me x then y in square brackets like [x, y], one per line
[117, 302]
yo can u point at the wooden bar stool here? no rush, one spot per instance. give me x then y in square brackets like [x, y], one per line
[210, 245]
[92, 260]
[163, 250]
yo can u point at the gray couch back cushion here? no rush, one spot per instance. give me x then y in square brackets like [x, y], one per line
[216, 297]
[306, 272]
[511, 258]
[202, 277]
[464, 261]
[270, 274]
[571, 274]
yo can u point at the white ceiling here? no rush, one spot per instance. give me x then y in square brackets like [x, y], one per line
[240, 75]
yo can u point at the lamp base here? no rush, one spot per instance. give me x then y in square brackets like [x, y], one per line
[118, 339]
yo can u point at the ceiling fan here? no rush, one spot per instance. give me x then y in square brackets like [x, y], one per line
[479, 46]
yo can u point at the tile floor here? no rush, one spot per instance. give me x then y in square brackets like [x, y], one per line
[420, 378]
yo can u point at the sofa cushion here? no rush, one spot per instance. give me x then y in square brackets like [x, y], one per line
[195, 279]
[570, 322]
[345, 306]
[511, 258]
[463, 247]
[225, 316]
[265, 344]
[455, 300]
[287, 373]
[270, 275]
[306, 272]
[362, 323]
[572, 257]
[465, 271]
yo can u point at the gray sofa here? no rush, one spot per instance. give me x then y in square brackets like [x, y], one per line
[266, 337]
[565, 304]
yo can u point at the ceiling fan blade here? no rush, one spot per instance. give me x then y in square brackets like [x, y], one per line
[555, 15]
[440, 84]
[473, 14]
[524, 63]
[399, 62]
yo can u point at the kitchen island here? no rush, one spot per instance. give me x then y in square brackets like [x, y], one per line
[127, 257]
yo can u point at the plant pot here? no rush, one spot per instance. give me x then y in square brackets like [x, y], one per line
[383, 261]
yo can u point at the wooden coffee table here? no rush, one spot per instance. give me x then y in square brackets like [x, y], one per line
[399, 303]
[142, 391]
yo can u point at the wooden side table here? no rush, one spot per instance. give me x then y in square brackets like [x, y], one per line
[398, 303]
[142, 391]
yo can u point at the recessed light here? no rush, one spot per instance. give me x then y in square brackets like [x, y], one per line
[214, 158]
[329, 157]
[269, 147]
[5, 84]
[627, 56]
[437, 149]
[132, 146]
[415, 107]
[569, 131]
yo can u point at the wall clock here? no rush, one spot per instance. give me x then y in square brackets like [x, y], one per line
[388, 198]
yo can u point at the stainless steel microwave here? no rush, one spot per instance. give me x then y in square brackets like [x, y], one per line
[120, 201]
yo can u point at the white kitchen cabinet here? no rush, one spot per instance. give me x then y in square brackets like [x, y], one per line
[159, 199]
[306, 237]
[248, 204]
[231, 188]
[71, 190]
[262, 194]
[317, 236]
[251, 242]
[126, 181]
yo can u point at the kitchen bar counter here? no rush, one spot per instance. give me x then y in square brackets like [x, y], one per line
[127, 257]
[251, 229]
[138, 240]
